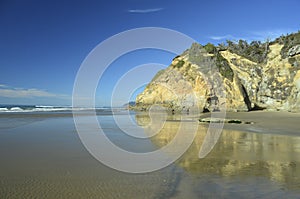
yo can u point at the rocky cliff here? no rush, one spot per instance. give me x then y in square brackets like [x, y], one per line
[237, 76]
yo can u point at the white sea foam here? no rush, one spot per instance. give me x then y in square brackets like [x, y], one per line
[50, 109]
[3, 109]
[16, 109]
[39, 106]
[46, 108]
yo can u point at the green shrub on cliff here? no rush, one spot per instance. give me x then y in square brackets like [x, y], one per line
[288, 42]
[255, 51]
[179, 64]
[224, 67]
[210, 48]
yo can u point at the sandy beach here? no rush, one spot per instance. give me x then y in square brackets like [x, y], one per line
[43, 157]
[284, 123]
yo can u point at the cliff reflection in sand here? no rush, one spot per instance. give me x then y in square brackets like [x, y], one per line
[236, 154]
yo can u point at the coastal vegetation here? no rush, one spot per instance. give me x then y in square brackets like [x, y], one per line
[255, 76]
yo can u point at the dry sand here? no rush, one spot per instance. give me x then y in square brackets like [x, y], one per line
[285, 123]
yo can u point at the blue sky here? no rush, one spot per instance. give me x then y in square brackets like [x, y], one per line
[43, 43]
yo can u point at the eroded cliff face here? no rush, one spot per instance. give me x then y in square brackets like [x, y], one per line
[210, 79]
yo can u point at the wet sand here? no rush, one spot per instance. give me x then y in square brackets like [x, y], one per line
[44, 158]
[242, 164]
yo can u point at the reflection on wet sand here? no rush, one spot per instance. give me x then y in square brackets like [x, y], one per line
[236, 154]
[45, 159]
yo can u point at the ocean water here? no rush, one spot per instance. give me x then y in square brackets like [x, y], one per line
[43, 157]
[13, 108]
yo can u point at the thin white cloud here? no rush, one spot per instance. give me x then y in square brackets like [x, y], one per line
[269, 34]
[222, 37]
[143, 11]
[26, 93]
[255, 35]
[225, 37]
